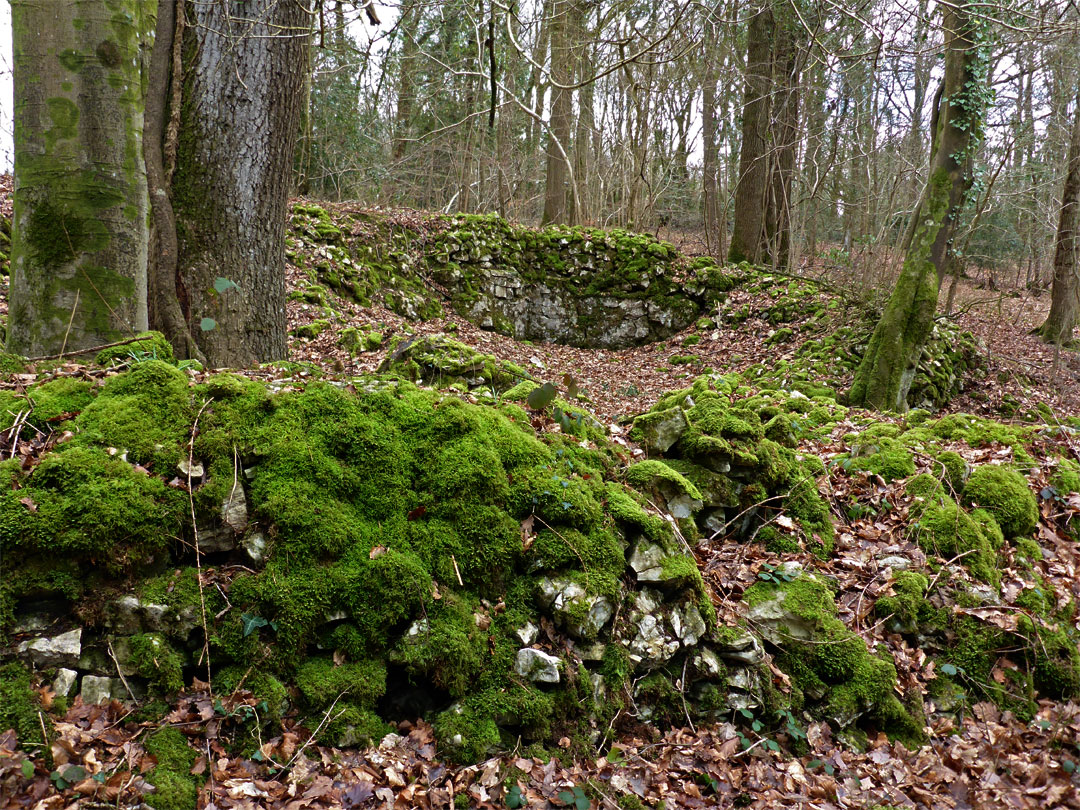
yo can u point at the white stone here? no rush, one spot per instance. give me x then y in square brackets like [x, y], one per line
[96, 689]
[57, 651]
[64, 681]
[528, 633]
[537, 665]
[194, 470]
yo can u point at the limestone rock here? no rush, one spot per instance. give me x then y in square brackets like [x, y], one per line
[254, 543]
[660, 430]
[537, 665]
[779, 624]
[64, 681]
[687, 623]
[194, 469]
[527, 633]
[234, 509]
[647, 561]
[58, 651]
[96, 689]
[582, 614]
[744, 648]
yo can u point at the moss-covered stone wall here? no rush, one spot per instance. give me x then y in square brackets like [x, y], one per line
[580, 286]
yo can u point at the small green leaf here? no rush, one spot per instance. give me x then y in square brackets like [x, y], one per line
[515, 798]
[28, 769]
[221, 284]
[1068, 765]
[565, 796]
[541, 397]
[948, 669]
[252, 623]
[207, 324]
[814, 763]
[258, 756]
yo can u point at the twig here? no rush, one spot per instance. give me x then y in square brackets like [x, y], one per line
[198, 553]
[87, 350]
[67, 332]
[120, 672]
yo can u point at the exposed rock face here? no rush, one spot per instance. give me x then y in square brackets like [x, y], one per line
[58, 651]
[579, 286]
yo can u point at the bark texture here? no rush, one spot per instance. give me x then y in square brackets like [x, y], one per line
[884, 376]
[747, 234]
[243, 95]
[1065, 297]
[80, 222]
[557, 182]
[163, 294]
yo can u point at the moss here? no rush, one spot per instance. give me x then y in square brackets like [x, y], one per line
[1005, 494]
[630, 514]
[91, 505]
[321, 682]
[656, 475]
[830, 665]
[147, 412]
[155, 660]
[926, 487]
[176, 788]
[955, 469]
[446, 649]
[883, 456]
[58, 400]
[946, 530]
[909, 590]
[149, 345]
[781, 429]
[20, 709]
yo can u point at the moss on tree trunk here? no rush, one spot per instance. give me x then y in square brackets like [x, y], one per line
[80, 220]
[884, 376]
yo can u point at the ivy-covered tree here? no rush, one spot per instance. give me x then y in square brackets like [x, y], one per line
[887, 369]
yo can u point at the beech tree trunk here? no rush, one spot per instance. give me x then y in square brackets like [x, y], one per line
[1065, 297]
[884, 376]
[748, 232]
[557, 182]
[243, 94]
[79, 241]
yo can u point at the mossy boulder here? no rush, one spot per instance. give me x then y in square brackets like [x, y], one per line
[1005, 494]
[834, 673]
[148, 346]
[396, 547]
[442, 361]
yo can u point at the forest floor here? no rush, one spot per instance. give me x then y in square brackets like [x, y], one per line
[987, 759]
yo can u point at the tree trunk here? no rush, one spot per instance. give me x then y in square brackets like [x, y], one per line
[78, 257]
[406, 88]
[787, 71]
[1065, 296]
[557, 176]
[884, 376]
[244, 77]
[747, 235]
[711, 147]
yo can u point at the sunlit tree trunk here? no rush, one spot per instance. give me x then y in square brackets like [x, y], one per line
[884, 376]
[79, 244]
[1065, 297]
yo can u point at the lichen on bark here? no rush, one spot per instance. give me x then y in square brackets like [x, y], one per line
[79, 230]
